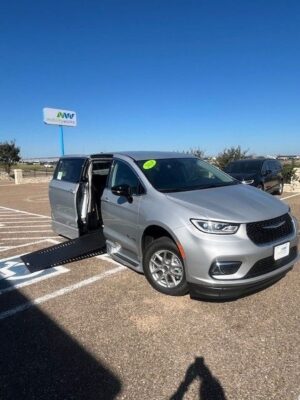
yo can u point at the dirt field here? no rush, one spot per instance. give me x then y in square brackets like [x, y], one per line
[96, 330]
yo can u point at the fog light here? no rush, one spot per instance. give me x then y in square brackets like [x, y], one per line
[224, 267]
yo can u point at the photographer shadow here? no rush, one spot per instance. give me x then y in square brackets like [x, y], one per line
[210, 387]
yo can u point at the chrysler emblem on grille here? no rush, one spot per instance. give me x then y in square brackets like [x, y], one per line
[274, 226]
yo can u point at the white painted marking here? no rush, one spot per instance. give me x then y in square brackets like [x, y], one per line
[288, 197]
[31, 238]
[56, 241]
[27, 221]
[5, 213]
[44, 230]
[56, 271]
[25, 245]
[23, 212]
[60, 292]
[21, 217]
[3, 226]
[107, 257]
[7, 273]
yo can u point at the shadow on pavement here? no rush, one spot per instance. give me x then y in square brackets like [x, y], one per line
[40, 361]
[210, 388]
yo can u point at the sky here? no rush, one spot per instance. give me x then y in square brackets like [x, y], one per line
[151, 75]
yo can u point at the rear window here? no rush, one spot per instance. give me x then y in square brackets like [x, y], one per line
[69, 169]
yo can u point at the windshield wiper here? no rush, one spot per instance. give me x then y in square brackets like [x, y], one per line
[199, 187]
[221, 185]
[173, 190]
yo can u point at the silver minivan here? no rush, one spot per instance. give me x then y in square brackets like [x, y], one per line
[186, 225]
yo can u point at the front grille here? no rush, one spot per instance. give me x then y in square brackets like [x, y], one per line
[269, 264]
[268, 231]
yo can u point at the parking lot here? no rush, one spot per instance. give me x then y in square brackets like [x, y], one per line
[94, 329]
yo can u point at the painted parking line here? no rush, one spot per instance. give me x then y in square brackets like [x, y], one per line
[5, 248]
[30, 238]
[5, 213]
[23, 212]
[107, 257]
[12, 217]
[26, 221]
[14, 274]
[288, 197]
[39, 231]
[4, 226]
[17, 226]
[61, 292]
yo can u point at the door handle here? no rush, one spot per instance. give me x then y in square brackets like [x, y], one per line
[106, 200]
[72, 191]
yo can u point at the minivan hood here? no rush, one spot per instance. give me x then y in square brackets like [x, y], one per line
[235, 203]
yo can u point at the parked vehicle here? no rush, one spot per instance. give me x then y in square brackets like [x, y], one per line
[265, 174]
[182, 222]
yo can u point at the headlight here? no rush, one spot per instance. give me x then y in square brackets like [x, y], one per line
[247, 182]
[219, 228]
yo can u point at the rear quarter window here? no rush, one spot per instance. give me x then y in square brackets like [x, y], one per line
[69, 170]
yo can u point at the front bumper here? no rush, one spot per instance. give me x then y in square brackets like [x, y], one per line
[228, 292]
[202, 250]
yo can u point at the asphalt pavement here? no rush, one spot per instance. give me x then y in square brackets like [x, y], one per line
[93, 329]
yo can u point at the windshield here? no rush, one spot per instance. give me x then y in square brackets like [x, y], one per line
[244, 166]
[183, 174]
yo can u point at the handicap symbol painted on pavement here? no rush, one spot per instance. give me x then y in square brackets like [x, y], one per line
[15, 274]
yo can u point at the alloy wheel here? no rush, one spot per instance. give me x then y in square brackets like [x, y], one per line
[166, 268]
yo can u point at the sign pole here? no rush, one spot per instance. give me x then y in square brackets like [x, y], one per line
[54, 116]
[62, 146]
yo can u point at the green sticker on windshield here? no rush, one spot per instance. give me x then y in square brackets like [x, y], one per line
[149, 164]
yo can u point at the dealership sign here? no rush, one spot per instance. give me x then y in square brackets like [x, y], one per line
[53, 116]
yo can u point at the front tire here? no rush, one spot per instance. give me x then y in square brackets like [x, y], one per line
[279, 191]
[164, 268]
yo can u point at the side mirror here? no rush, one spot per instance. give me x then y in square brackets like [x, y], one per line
[122, 190]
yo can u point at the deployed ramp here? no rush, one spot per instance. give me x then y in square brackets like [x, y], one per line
[89, 245]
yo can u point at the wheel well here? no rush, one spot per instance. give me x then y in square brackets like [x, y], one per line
[153, 232]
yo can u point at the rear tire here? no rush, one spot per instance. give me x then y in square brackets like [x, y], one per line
[164, 268]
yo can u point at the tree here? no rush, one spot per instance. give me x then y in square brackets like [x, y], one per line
[196, 152]
[289, 172]
[231, 154]
[9, 154]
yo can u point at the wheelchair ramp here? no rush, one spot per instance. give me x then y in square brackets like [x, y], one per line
[86, 246]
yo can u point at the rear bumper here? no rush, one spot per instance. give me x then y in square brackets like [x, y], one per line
[230, 292]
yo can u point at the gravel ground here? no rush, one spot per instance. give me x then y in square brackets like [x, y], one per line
[119, 339]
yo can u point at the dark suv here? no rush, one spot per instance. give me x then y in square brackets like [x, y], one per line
[265, 174]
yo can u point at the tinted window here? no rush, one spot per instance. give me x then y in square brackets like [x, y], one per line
[247, 166]
[69, 169]
[269, 166]
[183, 174]
[264, 167]
[122, 174]
[276, 166]
[101, 167]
